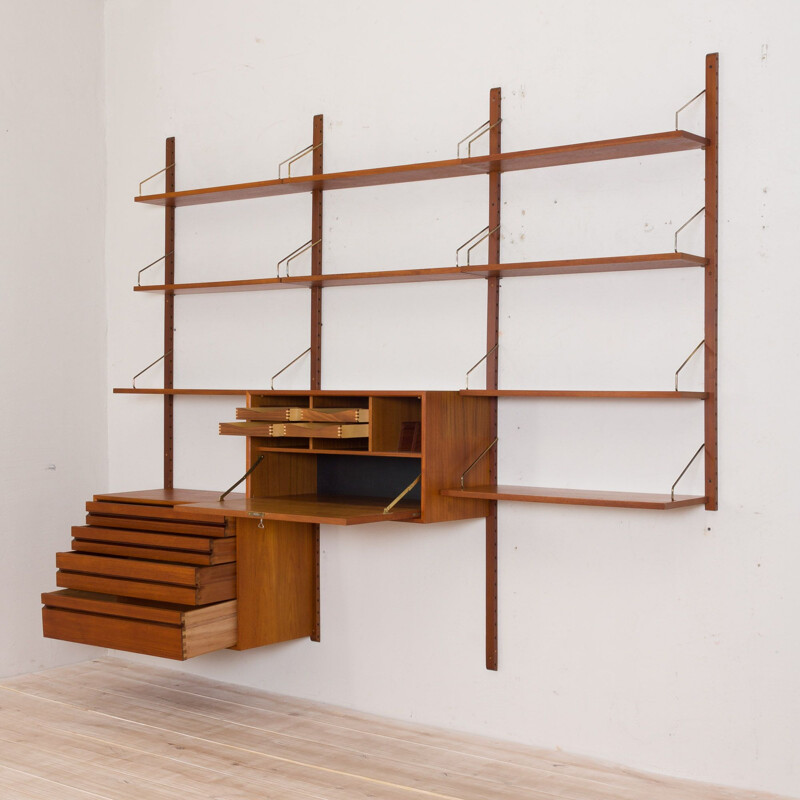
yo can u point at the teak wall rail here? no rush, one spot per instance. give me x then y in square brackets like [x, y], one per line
[493, 165]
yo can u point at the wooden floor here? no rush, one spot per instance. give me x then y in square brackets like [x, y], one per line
[113, 730]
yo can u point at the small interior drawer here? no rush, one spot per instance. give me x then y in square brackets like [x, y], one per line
[168, 631]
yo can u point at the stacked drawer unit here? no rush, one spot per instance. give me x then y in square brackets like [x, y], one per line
[145, 577]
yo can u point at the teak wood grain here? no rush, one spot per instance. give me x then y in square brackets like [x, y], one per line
[136, 569]
[316, 450]
[387, 415]
[169, 632]
[454, 431]
[109, 605]
[114, 535]
[160, 592]
[174, 527]
[275, 582]
[158, 497]
[328, 510]
[627, 147]
[128, 510]
[212, 584]
[220, 556]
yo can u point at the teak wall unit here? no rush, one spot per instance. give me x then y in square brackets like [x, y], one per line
[299, 477]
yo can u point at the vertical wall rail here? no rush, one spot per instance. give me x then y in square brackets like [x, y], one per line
[316, 330]
[169, 317]
[492, 364]
[711, 303]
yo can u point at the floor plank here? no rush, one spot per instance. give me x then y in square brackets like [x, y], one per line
[126, 731]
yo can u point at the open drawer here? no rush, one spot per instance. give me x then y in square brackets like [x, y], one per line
[164, 582]
[168, 631]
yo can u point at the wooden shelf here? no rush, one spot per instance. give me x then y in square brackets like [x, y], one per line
[576, 393]
[577, 497]
[311, 508]
[229, 392]
[628, 147]
[428, 274]
[586, 393]
[204, 287]
[315, 451]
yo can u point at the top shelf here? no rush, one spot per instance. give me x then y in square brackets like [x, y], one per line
[628, 147]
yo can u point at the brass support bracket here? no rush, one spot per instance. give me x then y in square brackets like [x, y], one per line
[477, 364]
[475, 135]
[693, 217]
[283, 369]
[686, 105]
[294, 254]
[141, 372]
[296, 157]
[154, 175]
[485, 233]
[691, 461]
[688, 359]
[151, 264]
[402, 494]
[464, 473]
[226, 493]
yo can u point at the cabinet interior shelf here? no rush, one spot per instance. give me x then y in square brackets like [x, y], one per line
[511, 270]
[337, 452]
[628, 147]
[577, 497]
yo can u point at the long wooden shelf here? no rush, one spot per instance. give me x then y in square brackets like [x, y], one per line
[610, 394]
[628, 147]
[229, 392]
[633, 394]
[577, 497]
[518, 269]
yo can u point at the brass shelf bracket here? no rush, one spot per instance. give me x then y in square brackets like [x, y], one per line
[151, 264]
[473, 136]
[283, 369]
[154, 175]
[251, 470]
[403, 494]
[141, 372]
[691, 461]
[686, 105]
[466, 471]
[294, 254]
[296, 157]
[693, 217]
[485, 233]
[477, 364]
[686, 361]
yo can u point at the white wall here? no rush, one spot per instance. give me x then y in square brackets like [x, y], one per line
[52, 305]
[666, 641]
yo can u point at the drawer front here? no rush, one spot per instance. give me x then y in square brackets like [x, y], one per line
[156, 554]
[154, 580]
[106, 519]
[105, 621]
[156, 513]
[121, 536]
